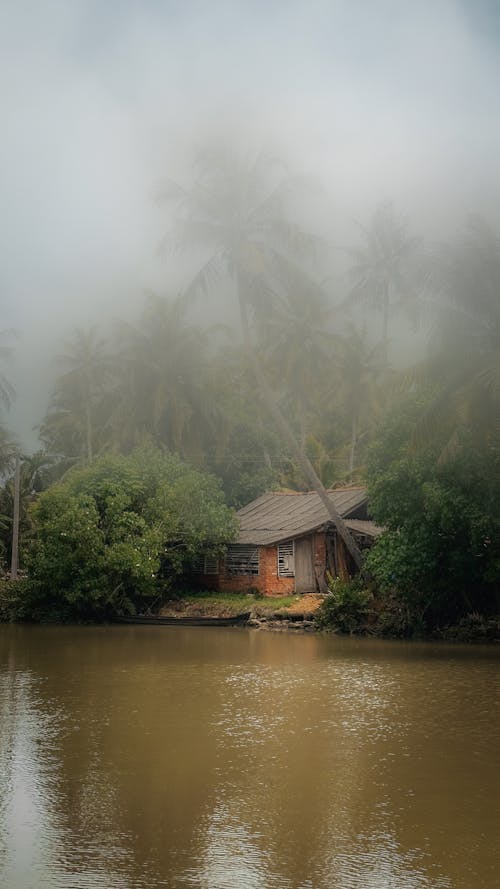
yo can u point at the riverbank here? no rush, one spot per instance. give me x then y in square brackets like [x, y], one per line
[384, 618]
[280, 613]
[347, 611]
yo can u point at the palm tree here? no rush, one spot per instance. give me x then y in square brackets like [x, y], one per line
[386, 268]
[8, 447]
[8, 450]
[298, 347]
[164, 387]
[356, 385]
[246, 458]
[36, 473]
[7, 391]
[464, 362]
[74, 416]
[236, 212]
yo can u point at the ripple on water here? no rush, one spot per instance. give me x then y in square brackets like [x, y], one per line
[225, 759]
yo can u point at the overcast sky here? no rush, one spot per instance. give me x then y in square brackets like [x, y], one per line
[101, 99]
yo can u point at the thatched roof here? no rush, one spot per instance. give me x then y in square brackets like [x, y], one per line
[283, 516]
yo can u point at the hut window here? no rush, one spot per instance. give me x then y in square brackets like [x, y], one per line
[211, 565]
[206, 565]
[242, 559]
[286, 559]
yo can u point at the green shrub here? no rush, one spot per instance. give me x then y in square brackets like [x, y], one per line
[15, 600]
[346, 608]
[119, 532]
[396, 619]
[474, 627]
[441, 547]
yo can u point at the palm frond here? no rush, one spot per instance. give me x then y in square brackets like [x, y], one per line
[206, 278]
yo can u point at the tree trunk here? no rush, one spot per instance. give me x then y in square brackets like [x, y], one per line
[354, 438]
[14, 561]
[303, 432]
[385, 322]
[88, 418]
[287, 434]
[265, 452]
[88, 432]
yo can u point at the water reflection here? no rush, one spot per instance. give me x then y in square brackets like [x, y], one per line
[147, 757]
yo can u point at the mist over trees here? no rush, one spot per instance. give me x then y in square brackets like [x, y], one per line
[324, 346]
[312, 374]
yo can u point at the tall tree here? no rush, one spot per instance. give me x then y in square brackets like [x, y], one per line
[386, 267]
[463, 365]
[75, 418]
[8, 447]
[164, 388]
[36, 473]
[7, 392]
[298, 346]
[8, 450]
[236, 211]
[248, 455]
[360, 369]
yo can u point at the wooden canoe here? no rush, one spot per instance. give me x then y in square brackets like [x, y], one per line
[151, 620]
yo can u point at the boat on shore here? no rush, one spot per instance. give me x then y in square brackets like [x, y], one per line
[153, 620]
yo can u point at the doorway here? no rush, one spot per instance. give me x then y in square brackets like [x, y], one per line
[305, 579]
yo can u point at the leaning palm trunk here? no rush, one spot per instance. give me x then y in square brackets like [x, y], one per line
[385, 322]
[88, 432]
[352, 451]
[242, 224]
[287, 434]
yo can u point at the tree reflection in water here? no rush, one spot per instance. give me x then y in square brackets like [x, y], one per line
[148, 757]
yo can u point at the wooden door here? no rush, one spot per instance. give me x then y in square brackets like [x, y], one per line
[305, 580]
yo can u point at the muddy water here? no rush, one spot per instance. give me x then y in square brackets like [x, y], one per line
[147, 757]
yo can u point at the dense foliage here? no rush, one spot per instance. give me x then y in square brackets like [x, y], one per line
[441, 549]
[319, 323]
[120, 531]
[347, 607]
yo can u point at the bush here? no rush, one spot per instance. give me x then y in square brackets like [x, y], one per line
[121, 531]
[15, 604]
[396, 619]
[441, 547]
[473, 627]
[346, 608]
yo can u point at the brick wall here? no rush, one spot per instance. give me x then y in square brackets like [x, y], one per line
[267, 580]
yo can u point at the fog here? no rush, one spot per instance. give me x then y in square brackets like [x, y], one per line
[102, 101]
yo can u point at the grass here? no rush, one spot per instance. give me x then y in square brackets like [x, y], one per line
[227, 604]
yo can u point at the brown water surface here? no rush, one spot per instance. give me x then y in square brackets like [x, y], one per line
[154, 756]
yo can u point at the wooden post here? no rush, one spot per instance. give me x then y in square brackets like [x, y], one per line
[14, 564]
[330, 557]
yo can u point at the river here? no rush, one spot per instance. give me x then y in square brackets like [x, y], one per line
[140, 757]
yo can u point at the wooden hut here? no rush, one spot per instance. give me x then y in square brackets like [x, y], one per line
[287, 543]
